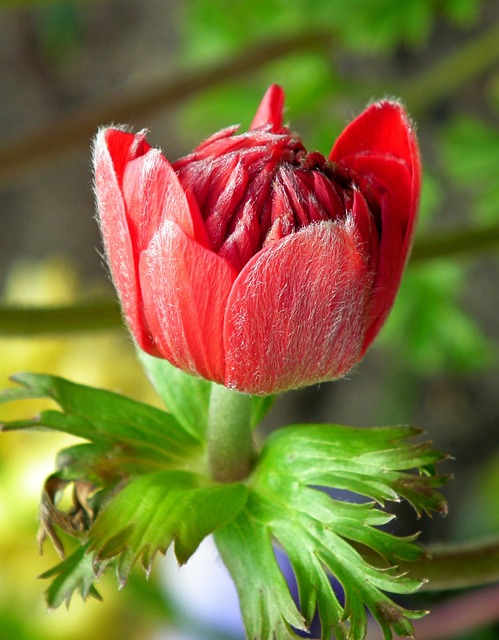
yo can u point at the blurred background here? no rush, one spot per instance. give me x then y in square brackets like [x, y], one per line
[183, 69]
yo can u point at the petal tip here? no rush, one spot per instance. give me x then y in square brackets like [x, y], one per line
[269, 113]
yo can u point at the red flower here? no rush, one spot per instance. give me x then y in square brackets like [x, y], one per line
[251, 262]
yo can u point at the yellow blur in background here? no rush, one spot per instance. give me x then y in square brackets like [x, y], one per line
[107, 360]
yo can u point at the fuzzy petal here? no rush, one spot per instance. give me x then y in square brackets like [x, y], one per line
[111, 152]
[124, 147]
[153, 193]
[380, 146]
[392, 182]
[383, 132]
[185, 288]
[270, 110]
[383, 128]
[296, 314]
[366, 232]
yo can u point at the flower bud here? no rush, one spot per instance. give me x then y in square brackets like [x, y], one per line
[251, 262]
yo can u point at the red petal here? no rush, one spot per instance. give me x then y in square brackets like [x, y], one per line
[380, 146]
[297, 312]
[270, 110]
[365, 227]
[153, 193]
[385, 174]
[185, 289]
[383, 128]
[109, 162]
[225, 189]
[245, 239]
[398, 217]
[384, 132]
[123, 147]
[227, 132]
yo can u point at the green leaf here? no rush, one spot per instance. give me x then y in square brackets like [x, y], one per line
[261, 405]
[323, 536]
[135, 487]
[104, 465]
[185, 396]
[188, 397]
[75, 573]
[350, 458]
[156, 509]
[128, 429]
[246, 549]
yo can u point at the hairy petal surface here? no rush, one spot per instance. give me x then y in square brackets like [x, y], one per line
[380, 147]
[319, 245]
[112, 151]
[185, 288]
[296, 314]
[152, 194]
[393, 185]
[383, 128]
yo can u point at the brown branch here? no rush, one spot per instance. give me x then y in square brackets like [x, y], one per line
[464, 241]
[442, 79]
[452, 72]
[436, 81]
[79, 127]
[56, 320]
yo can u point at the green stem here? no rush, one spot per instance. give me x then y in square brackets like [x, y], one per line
[456, 566]
[453, 617]
[230, 445]
[451, 566]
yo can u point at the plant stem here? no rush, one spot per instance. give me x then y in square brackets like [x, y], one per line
[457, 566]
[452, 566]
[230, 445]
